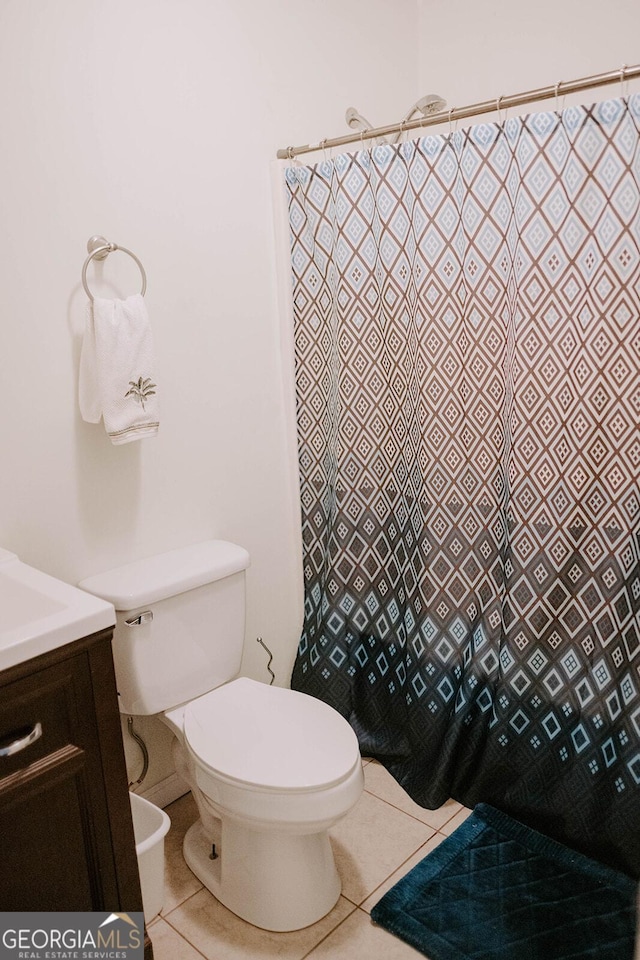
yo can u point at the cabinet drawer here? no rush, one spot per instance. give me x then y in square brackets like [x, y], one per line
[46, 698]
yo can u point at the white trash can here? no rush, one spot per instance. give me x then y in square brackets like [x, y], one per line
[150, 826]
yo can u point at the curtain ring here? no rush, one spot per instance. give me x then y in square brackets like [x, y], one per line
[451, 109]
[323, 147]
[290, 153]
[557, 92]
[623, 70]
[498, 102]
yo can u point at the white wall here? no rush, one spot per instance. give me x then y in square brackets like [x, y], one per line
[155, 123]
[477, 50]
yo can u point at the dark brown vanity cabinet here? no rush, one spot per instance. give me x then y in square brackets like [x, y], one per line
[66, 834]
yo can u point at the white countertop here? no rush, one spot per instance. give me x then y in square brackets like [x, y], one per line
[39, 613]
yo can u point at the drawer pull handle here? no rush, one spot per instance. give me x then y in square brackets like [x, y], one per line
[140, 619]
[22, 742]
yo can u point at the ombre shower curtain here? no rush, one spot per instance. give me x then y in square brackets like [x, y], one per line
[467, 342]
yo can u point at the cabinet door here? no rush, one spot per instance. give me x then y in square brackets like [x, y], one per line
[45, 853]
[55, 846]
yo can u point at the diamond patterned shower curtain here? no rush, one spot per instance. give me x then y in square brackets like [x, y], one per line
[467, 341]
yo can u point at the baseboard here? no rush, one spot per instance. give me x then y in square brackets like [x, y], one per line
[165, 791]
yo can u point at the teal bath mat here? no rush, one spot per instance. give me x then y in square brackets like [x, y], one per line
[497, 890]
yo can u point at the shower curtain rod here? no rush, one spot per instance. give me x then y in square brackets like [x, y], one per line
[473, 110]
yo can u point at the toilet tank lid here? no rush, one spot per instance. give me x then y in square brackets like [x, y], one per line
[167, 574]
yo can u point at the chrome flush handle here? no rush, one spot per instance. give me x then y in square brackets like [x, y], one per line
[141, 618]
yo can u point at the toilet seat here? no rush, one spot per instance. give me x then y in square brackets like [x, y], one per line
[270, 738]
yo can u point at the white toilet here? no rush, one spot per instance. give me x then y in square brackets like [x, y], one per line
[271, 769]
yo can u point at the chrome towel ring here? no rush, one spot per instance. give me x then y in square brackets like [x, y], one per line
[99, 249]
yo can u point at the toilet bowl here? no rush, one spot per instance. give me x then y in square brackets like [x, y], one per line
[271, 769]
[267, 794]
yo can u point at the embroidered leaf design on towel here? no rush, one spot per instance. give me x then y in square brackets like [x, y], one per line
[141, 390]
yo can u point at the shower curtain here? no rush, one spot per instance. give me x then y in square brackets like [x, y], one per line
[467, 345]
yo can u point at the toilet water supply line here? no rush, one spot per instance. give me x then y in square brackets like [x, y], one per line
[143, 747]
[145, 753]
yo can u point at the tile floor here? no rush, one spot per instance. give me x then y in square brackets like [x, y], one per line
[380, 840]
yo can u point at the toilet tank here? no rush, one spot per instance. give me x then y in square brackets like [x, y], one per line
[180, 623]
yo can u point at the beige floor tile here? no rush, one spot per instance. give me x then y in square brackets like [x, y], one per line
[378, 780]
[372, 842]
[182, 812]
[357, 938]
[169, 945]
[408, 865]
[456, 821]
[219, 935]
[179, 882]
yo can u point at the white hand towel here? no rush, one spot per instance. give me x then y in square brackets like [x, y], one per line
[117, 380]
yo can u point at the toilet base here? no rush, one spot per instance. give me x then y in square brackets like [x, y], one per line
[276, 881]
